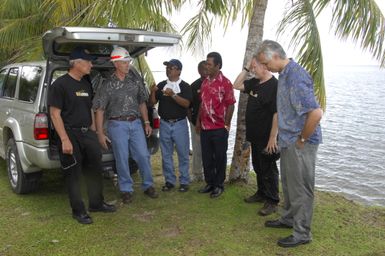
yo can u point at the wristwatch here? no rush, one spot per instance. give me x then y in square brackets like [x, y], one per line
[174, 96]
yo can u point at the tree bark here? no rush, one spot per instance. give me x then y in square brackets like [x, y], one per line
[240, 164]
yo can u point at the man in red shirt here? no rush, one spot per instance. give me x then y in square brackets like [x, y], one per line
[213, 122]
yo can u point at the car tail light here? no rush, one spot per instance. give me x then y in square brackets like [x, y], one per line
[40, 128]
[156, 123]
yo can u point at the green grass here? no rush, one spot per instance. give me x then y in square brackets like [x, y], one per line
[177, 224]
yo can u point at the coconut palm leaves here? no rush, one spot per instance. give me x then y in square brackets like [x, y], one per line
[199, 27]
[360, 21]
[363, 22]
[300, 20]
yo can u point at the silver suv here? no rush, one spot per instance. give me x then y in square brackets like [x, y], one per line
[27, 137]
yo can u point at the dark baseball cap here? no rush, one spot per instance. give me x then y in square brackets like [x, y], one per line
[174, 62]
[81, 53]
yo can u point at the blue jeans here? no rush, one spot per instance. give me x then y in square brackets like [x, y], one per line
[128, 137]
[175, 134]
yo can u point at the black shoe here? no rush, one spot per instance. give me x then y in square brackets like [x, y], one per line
[151, 192]
[82, 218]
[256, 198]
[216, 192]
[126, 197]
[168, 186]
[104, 208]
[206, 189]
[276, 224]
[267, 209]
[291, 241]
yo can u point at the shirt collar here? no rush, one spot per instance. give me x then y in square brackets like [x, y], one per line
[218, 77]
[287, 67]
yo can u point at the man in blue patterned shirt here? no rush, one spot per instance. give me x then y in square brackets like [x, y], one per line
[299, 135]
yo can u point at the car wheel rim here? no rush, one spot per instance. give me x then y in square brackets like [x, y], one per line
[13, 168]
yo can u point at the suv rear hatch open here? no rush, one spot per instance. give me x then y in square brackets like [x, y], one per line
[59, 42]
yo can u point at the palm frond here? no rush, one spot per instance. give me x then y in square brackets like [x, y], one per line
[143, 67]
[361, 21]
[300, 21]
[198, 31]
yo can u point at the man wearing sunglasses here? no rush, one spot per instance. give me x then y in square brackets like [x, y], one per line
[174, 96]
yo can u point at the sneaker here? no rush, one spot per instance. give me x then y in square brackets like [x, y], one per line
[267, 209]
[168, 186]
[150, 192]
[127, 197]
[256, 198]
[183, 188]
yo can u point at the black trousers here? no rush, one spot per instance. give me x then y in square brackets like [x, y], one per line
[267, 173]
[86, 148]
[214, 158]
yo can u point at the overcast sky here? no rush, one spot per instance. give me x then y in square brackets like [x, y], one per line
[231, 45]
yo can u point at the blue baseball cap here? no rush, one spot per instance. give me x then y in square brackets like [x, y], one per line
[173, 62]
[81, 53]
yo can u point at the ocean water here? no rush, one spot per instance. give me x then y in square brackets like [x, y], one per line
[351, 159]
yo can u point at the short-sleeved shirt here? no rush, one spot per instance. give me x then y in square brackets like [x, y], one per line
[74, 99]
[261, 106]
[216, 96]
[168, 108]
[121, 98]
[295, 98]
[196, 100]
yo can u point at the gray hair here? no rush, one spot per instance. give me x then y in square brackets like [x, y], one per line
[72, 63]
[269, 47]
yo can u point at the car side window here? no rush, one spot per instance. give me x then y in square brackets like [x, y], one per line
[9, 87]
[3, 74]
[29, 83]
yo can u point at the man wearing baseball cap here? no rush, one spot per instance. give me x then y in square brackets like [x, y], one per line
[174, 96]
[69, 101]
[122, 101]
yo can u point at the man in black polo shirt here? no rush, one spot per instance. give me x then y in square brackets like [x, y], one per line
[70, 102]
[197, 168]
[174, 96]
[261, 131]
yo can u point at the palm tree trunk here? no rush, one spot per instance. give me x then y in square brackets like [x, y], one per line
[241, 156]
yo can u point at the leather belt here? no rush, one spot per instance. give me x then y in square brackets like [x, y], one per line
[174, 120]
[124, 118]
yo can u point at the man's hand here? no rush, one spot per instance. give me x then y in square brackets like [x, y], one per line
[67, 147]
[103, 139]
[168, 92]
[147, 130]
[299, 144]
[272, 146]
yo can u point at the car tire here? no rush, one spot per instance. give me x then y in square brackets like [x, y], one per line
[21, 183]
